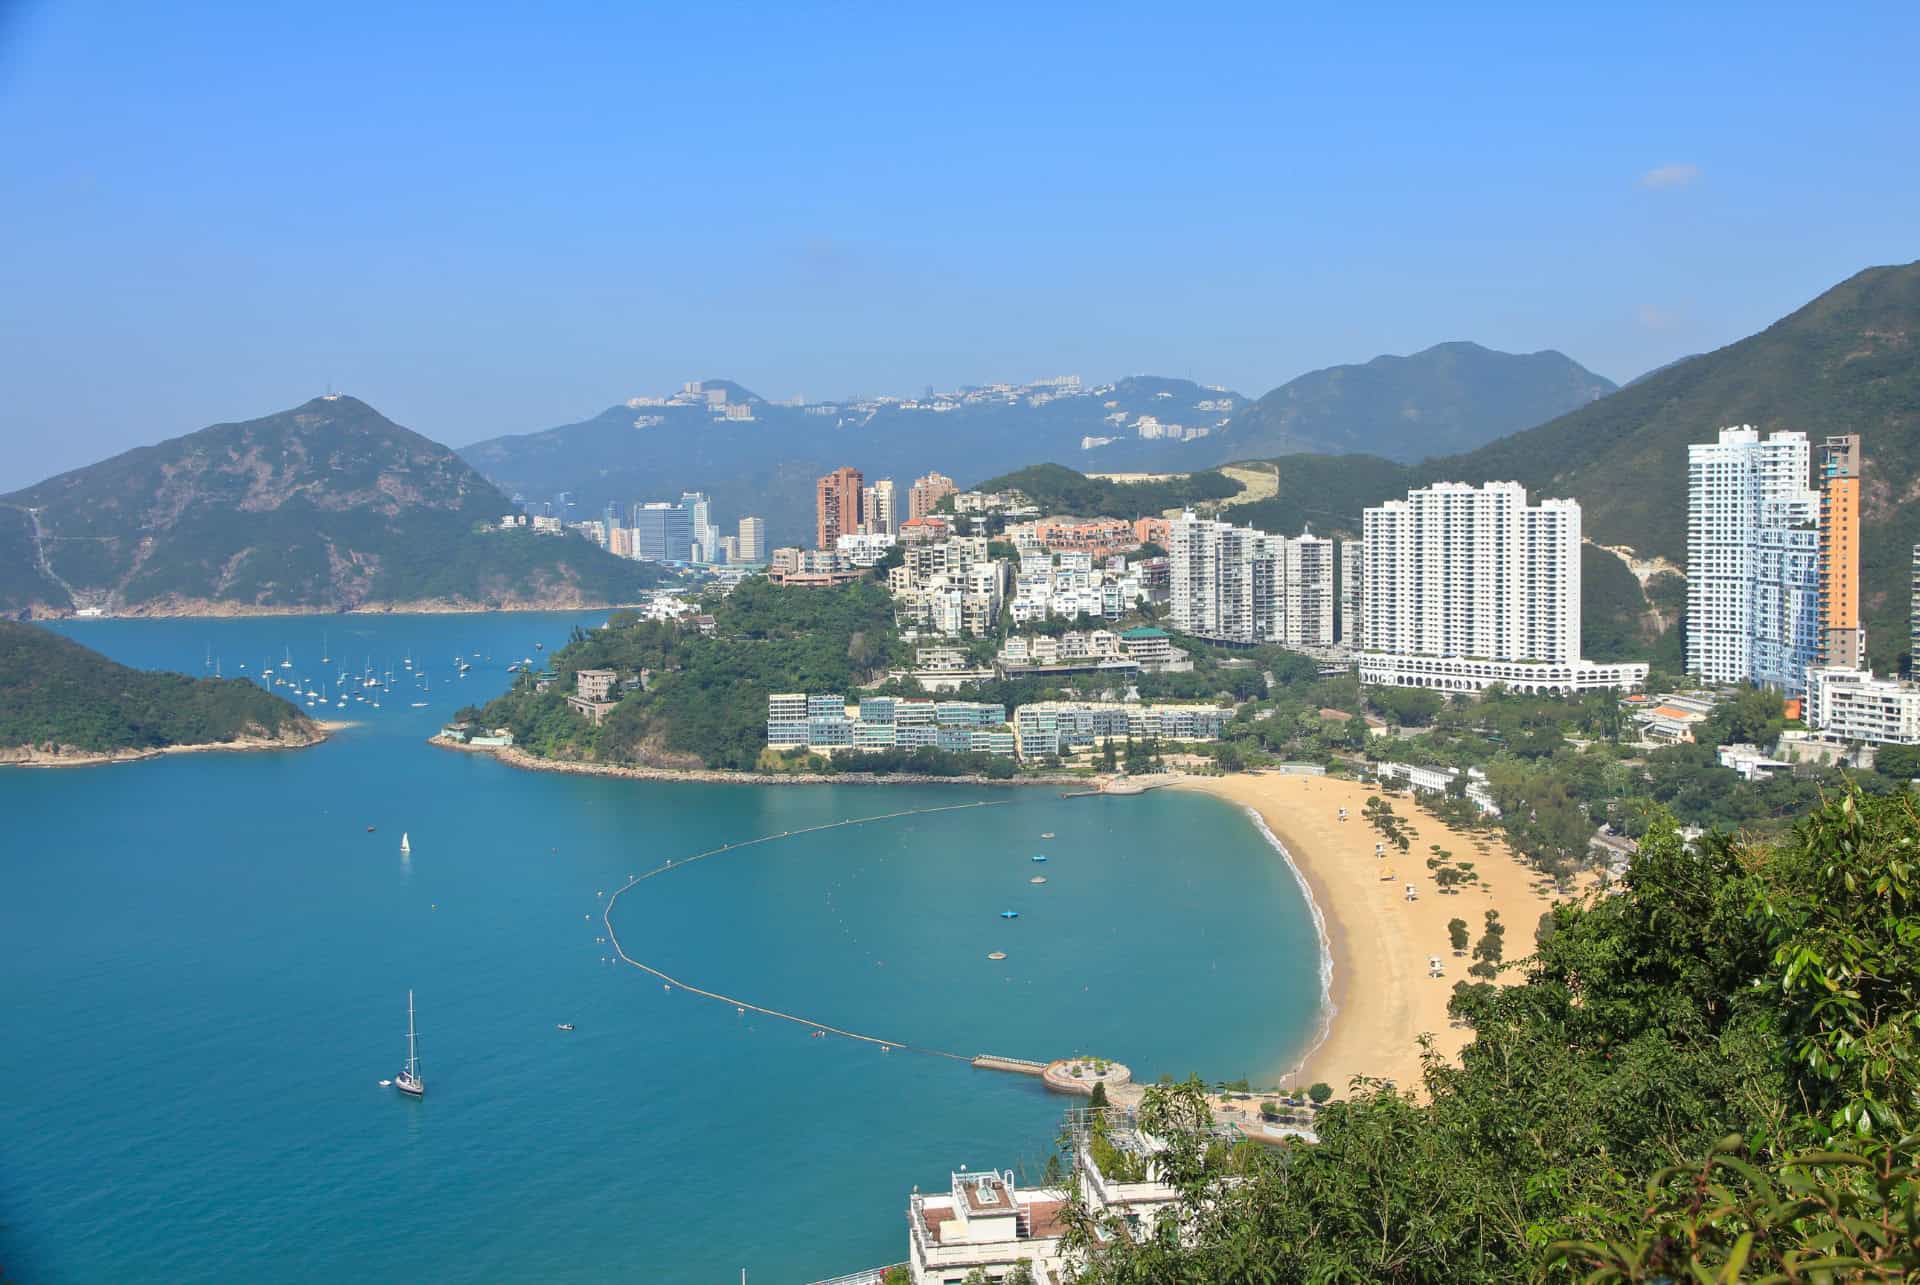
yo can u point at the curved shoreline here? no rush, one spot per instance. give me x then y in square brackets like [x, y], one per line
[1384, 995]
[513, 756]
[1329, 996]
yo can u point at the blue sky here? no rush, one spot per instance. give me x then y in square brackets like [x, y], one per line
[488, 219]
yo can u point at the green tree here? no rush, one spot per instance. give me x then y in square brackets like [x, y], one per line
[1099, 1098]
[1320, 1093]
[1457, 935]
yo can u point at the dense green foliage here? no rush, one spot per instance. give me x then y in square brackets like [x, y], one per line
[327, 505]
[705, 701]
[1712, 1074]
[1451, 397]
[1059, 490]
[56, 693]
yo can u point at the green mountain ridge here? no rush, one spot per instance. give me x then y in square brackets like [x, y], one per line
[328, 506]
[59, 697]
[1450, 397]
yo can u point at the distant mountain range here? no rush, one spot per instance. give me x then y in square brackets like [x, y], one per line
[1450, 397]
[328, 506]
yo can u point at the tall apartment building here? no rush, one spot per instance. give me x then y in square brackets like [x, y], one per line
[836, 506]
[1842, 640]
[927, 492]
[1236, 584]
[1307, 619]
[1352, 560]
[1753, 560]
[878, 514]
[706, 536]
[662, 532]
[1913, 619]
[1463, 587]
[753, 540]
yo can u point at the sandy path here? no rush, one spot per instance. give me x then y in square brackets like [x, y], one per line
[1383, 996]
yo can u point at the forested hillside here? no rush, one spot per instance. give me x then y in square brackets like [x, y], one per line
[327, 506]
[57, 694]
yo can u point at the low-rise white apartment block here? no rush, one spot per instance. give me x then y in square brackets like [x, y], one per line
[1463, 587]
[1045, 728]
[825, 724]
[1853, 705]
[1436, 780]
[1073, 584]
[863, 548]
[985, 1223]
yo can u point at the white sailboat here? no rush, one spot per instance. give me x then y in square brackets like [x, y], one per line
[409, 1081]
[405, 847]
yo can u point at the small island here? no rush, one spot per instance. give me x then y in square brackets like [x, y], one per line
[62, 704]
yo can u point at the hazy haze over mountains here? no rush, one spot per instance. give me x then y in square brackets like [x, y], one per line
[1449, 397]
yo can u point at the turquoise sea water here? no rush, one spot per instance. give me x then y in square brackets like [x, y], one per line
[204, 962]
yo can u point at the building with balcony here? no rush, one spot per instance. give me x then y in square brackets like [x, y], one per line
[1847, 704]
[1463, 587]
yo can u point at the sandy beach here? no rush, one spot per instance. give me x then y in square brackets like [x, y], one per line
[1383, 997]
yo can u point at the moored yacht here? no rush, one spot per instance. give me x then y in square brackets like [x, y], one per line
[409, 1081]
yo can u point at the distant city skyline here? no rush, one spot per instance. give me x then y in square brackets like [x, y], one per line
[485, 226]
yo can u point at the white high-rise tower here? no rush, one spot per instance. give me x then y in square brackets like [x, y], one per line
[1753, 559]
[1462, 587]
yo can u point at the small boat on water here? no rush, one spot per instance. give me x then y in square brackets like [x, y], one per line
[564, 1026]
[1009, 914]
[998, 954]
[1038, 879]
[1047, 835]
[1039, 857]
[405, 847]
[409, 1081]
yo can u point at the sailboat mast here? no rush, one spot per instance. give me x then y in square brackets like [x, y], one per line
[413, 1058]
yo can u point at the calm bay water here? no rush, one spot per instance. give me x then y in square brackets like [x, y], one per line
[204, 962]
